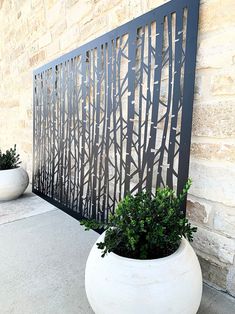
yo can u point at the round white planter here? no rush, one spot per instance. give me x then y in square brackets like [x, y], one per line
[119, 285]
[13, 183]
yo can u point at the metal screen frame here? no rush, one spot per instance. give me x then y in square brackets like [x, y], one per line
[71, 156]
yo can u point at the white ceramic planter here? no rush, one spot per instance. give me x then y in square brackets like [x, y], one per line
[13, 183]
[119, 285]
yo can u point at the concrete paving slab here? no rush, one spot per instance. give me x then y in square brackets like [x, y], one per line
[216, 302]
[42, 265]
[25, 206]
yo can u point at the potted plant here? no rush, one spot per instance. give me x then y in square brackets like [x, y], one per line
[13, 178]
[147, 264]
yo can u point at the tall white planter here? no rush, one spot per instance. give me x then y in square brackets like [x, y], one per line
[13, 183]
[119, 285]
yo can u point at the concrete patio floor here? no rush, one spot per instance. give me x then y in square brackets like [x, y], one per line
[43, 252]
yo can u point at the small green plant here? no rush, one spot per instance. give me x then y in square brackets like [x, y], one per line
[146, 226]
[9, 159]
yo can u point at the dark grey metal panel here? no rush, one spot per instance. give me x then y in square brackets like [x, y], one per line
[115, 115]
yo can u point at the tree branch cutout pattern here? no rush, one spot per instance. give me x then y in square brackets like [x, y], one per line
[114, 116]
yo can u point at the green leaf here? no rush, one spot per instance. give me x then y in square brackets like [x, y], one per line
[146, 226]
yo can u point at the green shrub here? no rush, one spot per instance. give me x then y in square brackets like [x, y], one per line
[146, 226]
[10, 159]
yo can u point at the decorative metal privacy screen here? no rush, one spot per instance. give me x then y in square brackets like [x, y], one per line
[115, 115]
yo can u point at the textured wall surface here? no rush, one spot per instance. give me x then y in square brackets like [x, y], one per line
[33, 32]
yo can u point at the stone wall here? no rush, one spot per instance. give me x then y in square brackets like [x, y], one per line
[33, 32]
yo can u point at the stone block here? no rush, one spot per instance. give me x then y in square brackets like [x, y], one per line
[21, 65]
[214, 273]
[224, 220]
[23, 31]
[80, 13]
[70, 3]
[50, 3]
[69, 38]
[213, 151]
[1, 3]
[231, 281]
[93, 28]
[27, 147]
[9, 103]
[37, 58]
[57, 29]
[213, 181]
[216, 119]
[35, 3]
[198, 211]
[37, 25]
[216, 10]
[215, 245]
[44, 40]
[53, 49]
[54, 12]
[19, 50]
[210, 50]
[33, 47]
[224, 84]
[118, 16]
[137, 8]
[22, 124]
[30, 113]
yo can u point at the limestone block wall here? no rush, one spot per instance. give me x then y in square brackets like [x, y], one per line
[33, 32]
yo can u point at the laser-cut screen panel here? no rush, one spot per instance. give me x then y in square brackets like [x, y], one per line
[114, 116]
